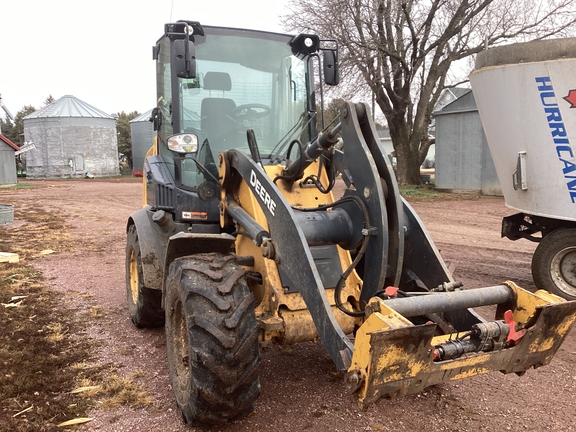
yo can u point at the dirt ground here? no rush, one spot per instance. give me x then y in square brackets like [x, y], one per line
[300, 387]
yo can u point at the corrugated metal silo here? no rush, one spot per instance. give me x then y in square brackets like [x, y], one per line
[72, 139]
[142, 135]
[463, 160]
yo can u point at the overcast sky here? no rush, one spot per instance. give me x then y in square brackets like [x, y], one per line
[101, 51]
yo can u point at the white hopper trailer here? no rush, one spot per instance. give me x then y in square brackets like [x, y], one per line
[526, 97]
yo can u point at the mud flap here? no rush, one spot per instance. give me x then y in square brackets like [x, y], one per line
[393, 357]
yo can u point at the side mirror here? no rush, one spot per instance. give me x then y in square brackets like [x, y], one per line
[184, 58]
[156, 119]
[331, 69]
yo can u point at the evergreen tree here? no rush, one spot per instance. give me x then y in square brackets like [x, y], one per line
[49, 100]
[123, 130]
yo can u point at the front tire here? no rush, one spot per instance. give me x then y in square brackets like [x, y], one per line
[211, 338]
[554, 263]
[144, 304]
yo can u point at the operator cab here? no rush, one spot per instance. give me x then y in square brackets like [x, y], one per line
[214, 84]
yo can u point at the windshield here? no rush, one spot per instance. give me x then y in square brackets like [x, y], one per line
[244, 82]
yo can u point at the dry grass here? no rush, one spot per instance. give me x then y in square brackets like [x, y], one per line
[113, 391]
[96, 312]
[40, 231]
[56, 333]
[44, 351]
[36, 352]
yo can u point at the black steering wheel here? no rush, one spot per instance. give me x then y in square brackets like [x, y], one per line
[251, 111]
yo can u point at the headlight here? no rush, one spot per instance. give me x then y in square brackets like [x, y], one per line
[183, 143]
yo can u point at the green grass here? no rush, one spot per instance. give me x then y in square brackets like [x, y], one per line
[20, 186]
[429, 193]
[419, 191]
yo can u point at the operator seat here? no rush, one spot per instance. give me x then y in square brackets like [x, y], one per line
[216, 112]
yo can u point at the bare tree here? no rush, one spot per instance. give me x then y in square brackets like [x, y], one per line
[404, 50]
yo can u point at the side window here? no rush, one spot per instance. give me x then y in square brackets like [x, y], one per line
[163, 84]
[164, 100]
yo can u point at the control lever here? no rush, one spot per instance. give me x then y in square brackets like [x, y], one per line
[253, 145]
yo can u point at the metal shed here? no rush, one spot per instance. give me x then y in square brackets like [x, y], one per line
[142, 136]
[72, 139]
[463, 160]
[7, 161]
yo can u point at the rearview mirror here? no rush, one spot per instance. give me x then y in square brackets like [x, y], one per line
[184, 58]
[331, 69]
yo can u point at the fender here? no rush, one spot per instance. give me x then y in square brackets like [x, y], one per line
[162, 241]
[184, 244]
[152, 244]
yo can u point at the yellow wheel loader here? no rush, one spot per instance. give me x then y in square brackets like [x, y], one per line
[242, 242]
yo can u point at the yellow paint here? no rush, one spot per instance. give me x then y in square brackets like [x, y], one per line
[386, 357]
[464, 362]
[363, 349]
[565, 326]
[134, 282]
[390, 357]
[524, 309]
[442, 339]
[542, 345]
[549, 297]
[470, 373]
[546, 344]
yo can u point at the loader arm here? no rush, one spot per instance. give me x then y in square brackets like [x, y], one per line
[372, 183]
[292, 254]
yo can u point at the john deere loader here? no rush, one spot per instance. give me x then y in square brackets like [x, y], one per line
[241, 240]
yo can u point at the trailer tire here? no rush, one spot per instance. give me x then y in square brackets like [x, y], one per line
[144, 304]
[211, 338]
[554, 263]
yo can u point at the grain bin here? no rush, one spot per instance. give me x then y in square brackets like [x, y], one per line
[142, 135]
[72, 139]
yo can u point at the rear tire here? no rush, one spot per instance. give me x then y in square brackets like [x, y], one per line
[144, 304]
[554, 263]
[211, 338]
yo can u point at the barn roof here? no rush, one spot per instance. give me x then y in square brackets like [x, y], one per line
[68, 106]
[10, 143]
[464, 103]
